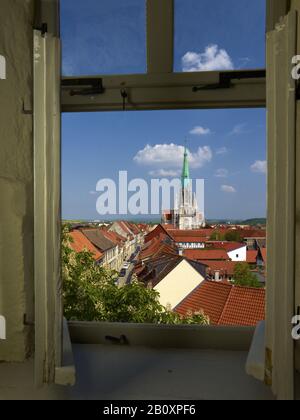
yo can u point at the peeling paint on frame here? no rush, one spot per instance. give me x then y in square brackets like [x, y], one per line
[2, 68]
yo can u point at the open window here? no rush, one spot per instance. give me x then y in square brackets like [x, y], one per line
[161, 88]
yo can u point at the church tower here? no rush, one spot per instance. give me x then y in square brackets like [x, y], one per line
[186, 215]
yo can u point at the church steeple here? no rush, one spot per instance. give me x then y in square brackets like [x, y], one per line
[185, 177]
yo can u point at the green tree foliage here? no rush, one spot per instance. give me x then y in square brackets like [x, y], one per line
[232, 236]
[217, 236]
[244, 277]
[91, 293]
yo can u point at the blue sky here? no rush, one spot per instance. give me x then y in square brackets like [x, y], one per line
[228, 147]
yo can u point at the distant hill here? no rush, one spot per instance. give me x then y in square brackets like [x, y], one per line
[253, 222]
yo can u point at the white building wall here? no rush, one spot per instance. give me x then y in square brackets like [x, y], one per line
[178, 284]
[239, 254]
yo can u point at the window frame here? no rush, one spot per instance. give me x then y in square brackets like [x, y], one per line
[150, 90]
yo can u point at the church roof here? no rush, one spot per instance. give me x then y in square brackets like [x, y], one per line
[185, 177]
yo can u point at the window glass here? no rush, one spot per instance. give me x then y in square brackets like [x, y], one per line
[219, 35]
[103, 37]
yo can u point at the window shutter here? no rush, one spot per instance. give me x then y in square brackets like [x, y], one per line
[281, 105]
[47, 218]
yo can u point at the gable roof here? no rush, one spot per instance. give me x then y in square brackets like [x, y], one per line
[156, 247]
[98, 238]
[156, 269]
[226, 304]
[81, 243]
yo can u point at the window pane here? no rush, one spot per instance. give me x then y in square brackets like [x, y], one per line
[103, 37]
[219, 35]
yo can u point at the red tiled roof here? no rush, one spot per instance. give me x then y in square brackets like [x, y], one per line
[114, 237]
[81, 243]
[206, 254]
[226, 304]
[224, 267]
[245, 306]
[228, 246]
[210, 297]
[197, 235]
[252, 233]
[251, 256]
[158, 231]
[264, 254]
[156, 247]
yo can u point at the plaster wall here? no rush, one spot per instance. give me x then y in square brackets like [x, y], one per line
[16, 178]
[179, 283]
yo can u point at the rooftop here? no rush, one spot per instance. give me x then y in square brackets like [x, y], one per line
[81, 243]
[226, 304]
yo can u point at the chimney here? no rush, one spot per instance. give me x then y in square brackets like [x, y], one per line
[180, 251]
[217, 275]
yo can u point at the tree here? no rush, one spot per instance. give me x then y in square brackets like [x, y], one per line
[91, 293]
[242, 276]
[216, 236]
[232, 236]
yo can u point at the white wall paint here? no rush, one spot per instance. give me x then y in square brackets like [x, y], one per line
[178, 284]
[239, 254]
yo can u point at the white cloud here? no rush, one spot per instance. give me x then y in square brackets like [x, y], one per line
[213, 58]
[228, 189]
[222, 173]
[93, 192]
[171, 155]
[200, 131]
[259, 166]
[164, 173]
[238, 130]
[222, 151]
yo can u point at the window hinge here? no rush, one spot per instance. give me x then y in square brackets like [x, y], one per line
[268, 368]
[226, 78]
[83, 87]
[43, 28]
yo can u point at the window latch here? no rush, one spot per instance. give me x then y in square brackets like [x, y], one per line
[84, 87]
[117, 340]
[226, 78]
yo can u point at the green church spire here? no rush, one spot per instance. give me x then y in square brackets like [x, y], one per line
[185, 177]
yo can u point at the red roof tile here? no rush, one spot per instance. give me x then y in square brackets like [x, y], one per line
[226, 304]
[81, 243]
[206, 254]
[264, 254]
[245, 306]
[210, 297]
[224, 267]
[155, 248]
[228, 246]
[251, 256]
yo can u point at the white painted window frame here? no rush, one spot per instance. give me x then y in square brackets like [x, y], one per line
[160, 88]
